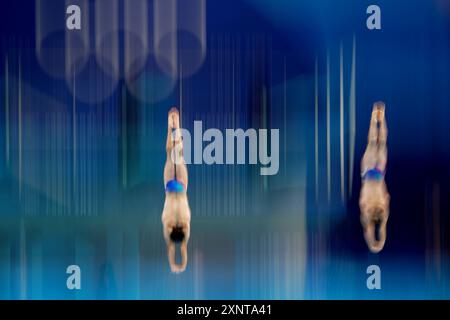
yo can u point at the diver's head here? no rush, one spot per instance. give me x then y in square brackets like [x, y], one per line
[372, 216]
[374, 225]
[377, 214]
[177, 234]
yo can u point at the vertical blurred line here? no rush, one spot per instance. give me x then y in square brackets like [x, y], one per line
[90, 164]
[328, 131]
[221, 80]
[7, 110]
[224, 172]
[58, 134]
[437, 229]
[74, 145]
[316, 127]
[45, 160]
[285, 122]
[233, 104]
[124, 139]
[20, 124]
[276, 267]
[6, 270]
[352, 117]
[232, 90]
[66, 172]
[181, 95]
[35, 274]
[198, 273]
[287, 258]
[82, 169]
[264, 106]
[52, 173]
[66, 164]
[23, 261]
[341, 102]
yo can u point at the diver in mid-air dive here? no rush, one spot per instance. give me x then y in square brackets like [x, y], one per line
[176, 214]
[374, 198]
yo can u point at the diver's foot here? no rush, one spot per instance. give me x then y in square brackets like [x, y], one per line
[374, 117]
[174, 119]
[378, 109]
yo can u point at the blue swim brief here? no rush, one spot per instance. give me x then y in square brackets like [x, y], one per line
[373, 174]
[175, 186]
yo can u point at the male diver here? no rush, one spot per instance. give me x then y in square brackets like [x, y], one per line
[374, 197]
[176, 214]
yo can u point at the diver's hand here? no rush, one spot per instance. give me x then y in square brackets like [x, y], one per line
[374, 242]
[177, 268]
[174, 267]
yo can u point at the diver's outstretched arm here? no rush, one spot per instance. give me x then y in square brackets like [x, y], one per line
[374, 242]
[171, 248]
[184, 256]
[171, 256]
[183, 248]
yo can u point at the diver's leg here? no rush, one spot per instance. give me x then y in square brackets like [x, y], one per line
[372, 137]
[182, 173]
[369, 160]
[169, 170]
[382, 147]
[171, 256]
[184, 256]
[174, 146]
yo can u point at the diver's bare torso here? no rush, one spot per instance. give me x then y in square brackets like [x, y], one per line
[374, 194]
[176, 209]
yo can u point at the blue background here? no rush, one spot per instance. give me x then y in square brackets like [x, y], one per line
[252, 237]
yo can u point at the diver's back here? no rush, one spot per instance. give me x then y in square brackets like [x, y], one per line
[176, 207]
